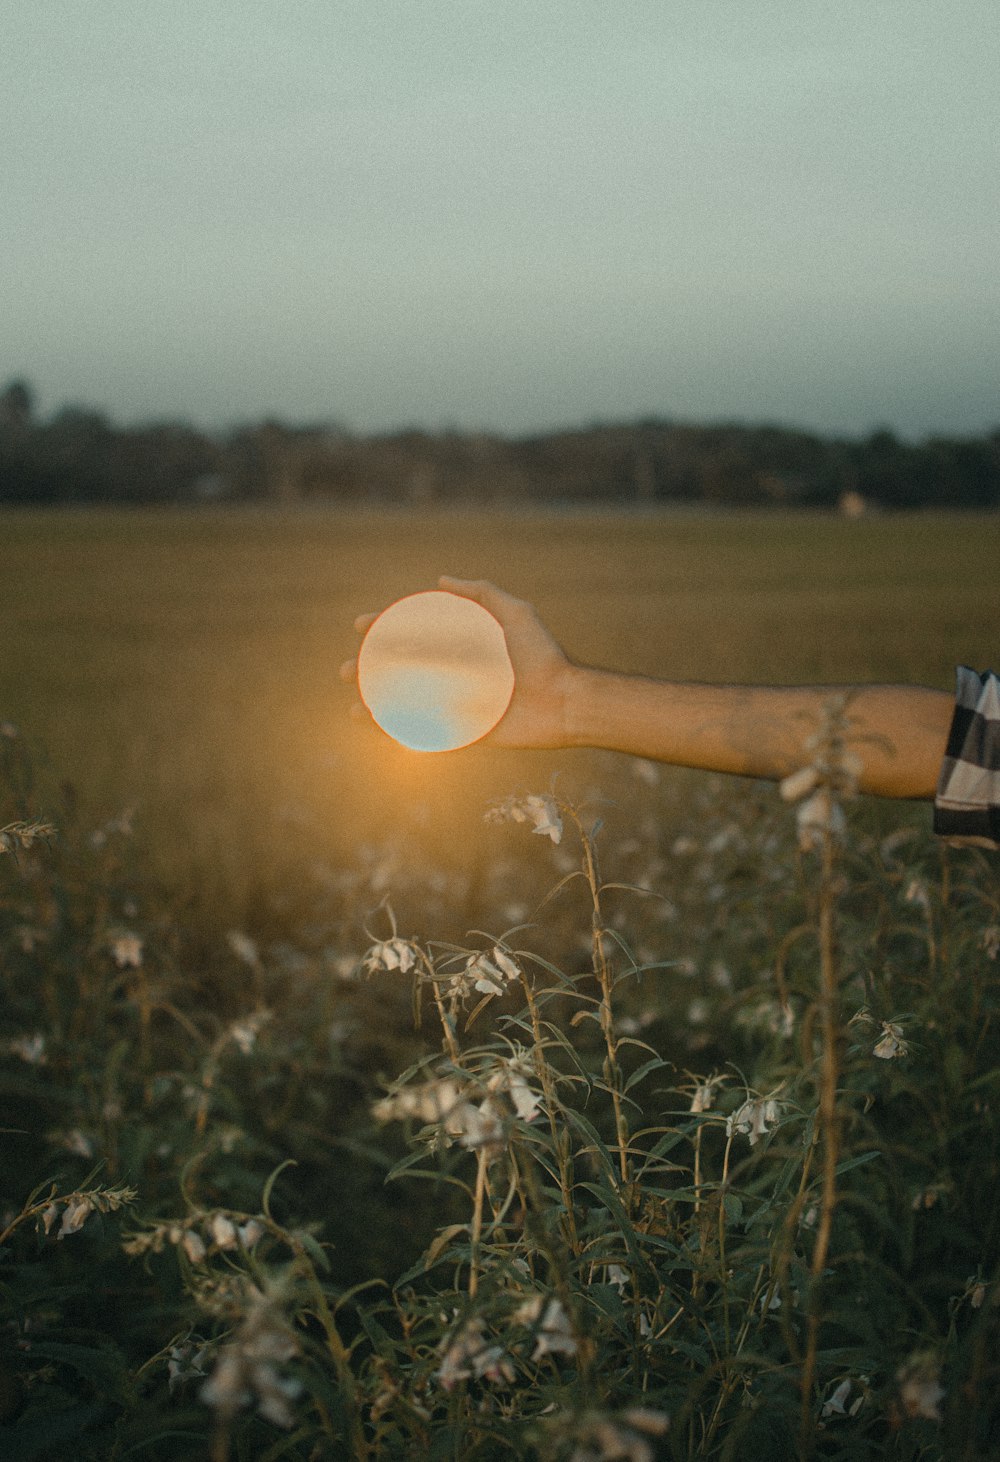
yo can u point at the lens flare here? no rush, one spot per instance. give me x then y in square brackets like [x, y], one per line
[434, 671]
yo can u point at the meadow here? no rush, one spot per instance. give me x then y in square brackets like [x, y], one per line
[185, 664]
[342, 1121]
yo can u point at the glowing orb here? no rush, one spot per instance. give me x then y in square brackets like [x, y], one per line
[434, 671]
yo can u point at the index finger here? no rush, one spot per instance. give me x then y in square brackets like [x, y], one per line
[497, 601]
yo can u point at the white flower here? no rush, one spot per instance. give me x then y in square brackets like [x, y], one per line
[799, 784]
[525, 1099]
[918, 893]
[246, 1367]
[753, 1118]
[75, 1215]
[511, 1077]
[550, 1322]
[126, 951]
[698, 1012]
[492, 975]
[621, 1438]
[632, 1025]
[920, 1389]
[390, 954]
[817, 817]
[724, 838]
[720, 976]
[22, 834]
[770, 1015]
[427, 1101]
[835, 1404]
[481, 1127]
[892, 1044]
[193, 1245]
[243, 1033]
[250, 1232]
[225, 1390]
[30, 1049]
[29, 938]
[77, 1142]
[619, 1277]
[991, 940]
[535, 808]
[467, 1355]
[223, 1231]
[244, 948]
[466, 1114]
[183, 1364]
[646, 771]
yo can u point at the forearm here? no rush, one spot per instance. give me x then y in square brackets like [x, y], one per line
[899, 731]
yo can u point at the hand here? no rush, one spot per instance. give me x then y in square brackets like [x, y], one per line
[537, 716]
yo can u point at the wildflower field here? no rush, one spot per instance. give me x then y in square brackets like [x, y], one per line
[358, 1104]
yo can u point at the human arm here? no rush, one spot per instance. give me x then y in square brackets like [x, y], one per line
[898, 732]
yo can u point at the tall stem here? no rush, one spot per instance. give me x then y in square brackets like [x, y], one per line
[446, 1025]
[477, 1222]
[612, 1071]
[829, 1132]
[560, 1138]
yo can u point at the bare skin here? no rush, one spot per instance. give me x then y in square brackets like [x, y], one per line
[753, 731]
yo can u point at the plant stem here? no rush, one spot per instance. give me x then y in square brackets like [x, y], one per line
[829, 1133]
[559, 1138]
[446, 1026]
[477, 1222]
[602, 971]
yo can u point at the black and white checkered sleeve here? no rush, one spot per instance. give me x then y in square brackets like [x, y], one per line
[967, 805]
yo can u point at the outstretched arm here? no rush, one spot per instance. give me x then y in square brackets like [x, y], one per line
[755, 731]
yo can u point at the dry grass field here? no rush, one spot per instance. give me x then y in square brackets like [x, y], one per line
[185, 663]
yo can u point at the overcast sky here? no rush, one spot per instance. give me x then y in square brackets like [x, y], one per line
[509, 215]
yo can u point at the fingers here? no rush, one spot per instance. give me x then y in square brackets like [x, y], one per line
[497, 601]
[349, 669]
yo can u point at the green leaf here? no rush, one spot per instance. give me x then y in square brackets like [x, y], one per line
[314, 1250]
[655, 1064]
[441, 1241]
[856, 1162]
[733, 1205]
[104, 1368]
[265, 1202]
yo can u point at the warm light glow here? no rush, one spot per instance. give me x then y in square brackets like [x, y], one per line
[434, 671]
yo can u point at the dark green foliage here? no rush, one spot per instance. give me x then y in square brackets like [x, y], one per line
[580, 1247]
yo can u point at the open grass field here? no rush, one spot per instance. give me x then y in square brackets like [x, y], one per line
[185, 663]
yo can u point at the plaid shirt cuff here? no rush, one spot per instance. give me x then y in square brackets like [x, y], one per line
[967, 806]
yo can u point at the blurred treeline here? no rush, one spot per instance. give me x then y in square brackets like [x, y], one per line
[78, 456]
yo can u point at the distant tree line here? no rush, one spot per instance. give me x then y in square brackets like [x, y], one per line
[78, 456]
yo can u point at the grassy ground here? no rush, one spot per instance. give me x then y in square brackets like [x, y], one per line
[186, 662]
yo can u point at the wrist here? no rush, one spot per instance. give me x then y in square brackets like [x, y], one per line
[581, 694]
